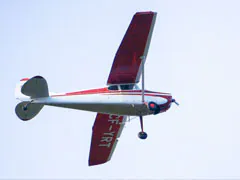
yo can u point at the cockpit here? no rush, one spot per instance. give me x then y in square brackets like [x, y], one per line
[123, 87]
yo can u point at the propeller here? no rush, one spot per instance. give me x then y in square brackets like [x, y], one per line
[174, 101]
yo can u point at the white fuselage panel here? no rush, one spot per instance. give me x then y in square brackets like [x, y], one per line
[120, 104]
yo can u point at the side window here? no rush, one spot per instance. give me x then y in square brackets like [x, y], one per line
[114, 87]
[126, 86]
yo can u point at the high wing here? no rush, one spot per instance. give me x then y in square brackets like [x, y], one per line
[126, 68]
[106, 130]
[133, 49]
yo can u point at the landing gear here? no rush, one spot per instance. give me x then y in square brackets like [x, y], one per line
[142, 134]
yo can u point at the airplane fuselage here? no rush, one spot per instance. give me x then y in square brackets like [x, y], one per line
[119, 102]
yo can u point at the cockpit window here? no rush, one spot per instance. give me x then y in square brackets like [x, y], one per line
[123, 87]
[113, 87]
[136, 87]
[127, 86]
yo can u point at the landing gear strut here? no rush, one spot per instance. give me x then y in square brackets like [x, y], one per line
[142, 134]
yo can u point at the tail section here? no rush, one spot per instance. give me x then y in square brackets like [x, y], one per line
[18, 94]
[28, 90]
[26, 111]
[35, 87]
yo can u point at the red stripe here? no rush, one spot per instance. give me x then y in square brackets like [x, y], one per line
[24, 79]
[105, 91]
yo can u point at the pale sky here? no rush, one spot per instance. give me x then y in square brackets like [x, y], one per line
[194, 54]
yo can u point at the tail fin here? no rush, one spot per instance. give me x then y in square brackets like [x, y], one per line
[35, 87]
[26, 91]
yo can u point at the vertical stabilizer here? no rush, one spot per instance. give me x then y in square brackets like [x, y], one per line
[27, 90]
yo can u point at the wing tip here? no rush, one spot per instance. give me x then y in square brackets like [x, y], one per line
[94, 162]
[145, 12]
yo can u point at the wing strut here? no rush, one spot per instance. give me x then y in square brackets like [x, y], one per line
[143, 57]
[142, 134]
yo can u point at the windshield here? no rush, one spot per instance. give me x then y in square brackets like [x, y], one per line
[124, 87]
[136, 87]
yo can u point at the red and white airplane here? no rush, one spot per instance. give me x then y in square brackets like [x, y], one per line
[114, 103]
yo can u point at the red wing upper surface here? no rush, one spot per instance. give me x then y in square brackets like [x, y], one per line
[106, 129]
[133, 49]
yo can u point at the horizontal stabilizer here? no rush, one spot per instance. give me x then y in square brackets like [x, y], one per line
[26, 111]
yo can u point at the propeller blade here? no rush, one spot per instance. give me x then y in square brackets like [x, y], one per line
[174, 101]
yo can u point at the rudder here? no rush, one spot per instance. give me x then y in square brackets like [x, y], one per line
[35, 87]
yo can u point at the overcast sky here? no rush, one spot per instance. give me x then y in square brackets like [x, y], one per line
[194, 54]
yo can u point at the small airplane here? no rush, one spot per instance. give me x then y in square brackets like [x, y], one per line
[121, 98]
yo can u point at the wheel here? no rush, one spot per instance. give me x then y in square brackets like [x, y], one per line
[142, 135]
[154, 107]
